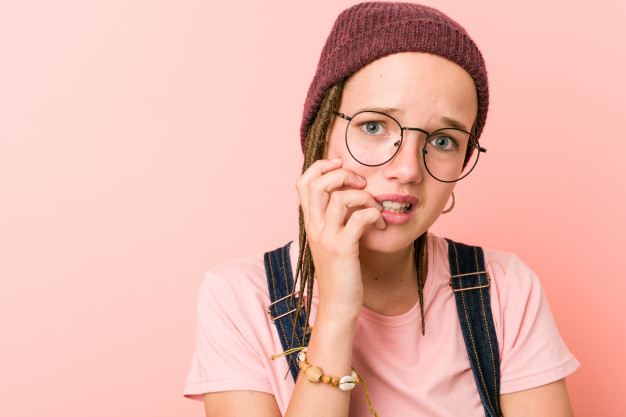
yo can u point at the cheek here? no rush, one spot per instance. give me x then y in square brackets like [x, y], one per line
[438, 196]
[335, 146]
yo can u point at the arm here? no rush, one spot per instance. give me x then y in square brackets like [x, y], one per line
[550, 400]
[240, 404]
[336, 212]
[327, 193]
[307, 398]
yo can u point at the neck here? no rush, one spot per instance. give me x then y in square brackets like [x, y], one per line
[389, 281]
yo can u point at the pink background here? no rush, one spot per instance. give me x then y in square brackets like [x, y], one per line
[143, 142]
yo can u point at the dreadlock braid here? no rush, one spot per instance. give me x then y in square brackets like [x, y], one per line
[315, 148]
[421, 263]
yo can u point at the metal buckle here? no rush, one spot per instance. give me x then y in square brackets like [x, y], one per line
[278, 301]
[487, 285]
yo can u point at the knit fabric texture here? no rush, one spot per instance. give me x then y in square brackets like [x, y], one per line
[372, 30]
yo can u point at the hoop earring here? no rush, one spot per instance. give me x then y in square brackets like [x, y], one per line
[449, 209]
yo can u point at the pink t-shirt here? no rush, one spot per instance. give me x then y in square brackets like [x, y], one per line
[405, 372]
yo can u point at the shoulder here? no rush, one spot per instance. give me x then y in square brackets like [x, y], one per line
[516, 295]
[234, 338]
[532, 352]
[506, 269]
[515, 286]
[237, 284]
[234, 275]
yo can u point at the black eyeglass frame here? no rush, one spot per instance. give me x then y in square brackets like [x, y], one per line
[473, 142]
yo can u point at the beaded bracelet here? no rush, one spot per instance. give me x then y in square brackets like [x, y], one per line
[315, 374]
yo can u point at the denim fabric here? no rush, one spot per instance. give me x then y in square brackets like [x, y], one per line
[280, 283]
[474, 308]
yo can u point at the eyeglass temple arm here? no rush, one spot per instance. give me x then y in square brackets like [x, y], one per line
[477, 146]
[343, 116]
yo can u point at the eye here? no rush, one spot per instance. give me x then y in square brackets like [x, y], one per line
[372, 128]
[444, 142]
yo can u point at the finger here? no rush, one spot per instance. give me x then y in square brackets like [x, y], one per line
[359, 221]
[316, 170]
[322, 188]
[342, 202]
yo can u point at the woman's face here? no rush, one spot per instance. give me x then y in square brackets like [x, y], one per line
[419, 90]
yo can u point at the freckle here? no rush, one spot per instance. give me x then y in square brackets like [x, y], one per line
[375, 278]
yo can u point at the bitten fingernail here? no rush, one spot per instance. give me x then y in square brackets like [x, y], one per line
[360, 179]
[335, 160]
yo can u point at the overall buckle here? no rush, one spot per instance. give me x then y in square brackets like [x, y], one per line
[278, 301]
[487, 285]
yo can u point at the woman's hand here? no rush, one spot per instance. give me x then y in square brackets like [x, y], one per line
[336, 212]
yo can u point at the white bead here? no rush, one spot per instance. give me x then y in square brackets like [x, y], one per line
[302, 355]
[346, 383]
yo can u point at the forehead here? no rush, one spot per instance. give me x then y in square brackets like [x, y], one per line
[422, 86]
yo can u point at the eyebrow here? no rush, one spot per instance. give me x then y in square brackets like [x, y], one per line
[454, 123]
[387, 110]
[393, 111]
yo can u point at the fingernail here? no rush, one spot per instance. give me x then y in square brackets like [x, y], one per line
[335, 160]
[360, 178]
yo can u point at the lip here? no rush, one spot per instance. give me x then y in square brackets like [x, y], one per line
[398, 218]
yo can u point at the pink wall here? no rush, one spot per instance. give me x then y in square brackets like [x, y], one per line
[139, 141]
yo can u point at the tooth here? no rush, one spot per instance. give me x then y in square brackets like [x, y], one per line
[396, 207]
[397, 210]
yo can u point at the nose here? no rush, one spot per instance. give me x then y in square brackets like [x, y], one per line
[408, 165]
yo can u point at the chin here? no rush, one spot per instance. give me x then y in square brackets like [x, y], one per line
[388, 240]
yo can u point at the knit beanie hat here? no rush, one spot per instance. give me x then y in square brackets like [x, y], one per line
[372, 30]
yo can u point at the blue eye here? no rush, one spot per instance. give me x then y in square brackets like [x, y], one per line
[373, 128]
[444, 143]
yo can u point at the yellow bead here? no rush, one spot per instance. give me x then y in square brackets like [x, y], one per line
[314, 374]
[326, 379]
[334, 381]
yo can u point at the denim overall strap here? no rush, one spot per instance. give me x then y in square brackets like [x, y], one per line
[470, 283]
[282, 309]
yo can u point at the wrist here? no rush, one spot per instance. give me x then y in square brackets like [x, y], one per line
[337, 315]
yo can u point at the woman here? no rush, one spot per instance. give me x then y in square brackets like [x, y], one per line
[391, 124]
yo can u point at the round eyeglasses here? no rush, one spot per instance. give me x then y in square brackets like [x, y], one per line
[373, 138]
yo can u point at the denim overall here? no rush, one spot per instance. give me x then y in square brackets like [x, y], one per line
[470, 283]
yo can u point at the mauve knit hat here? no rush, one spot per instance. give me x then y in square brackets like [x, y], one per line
[372, 30]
